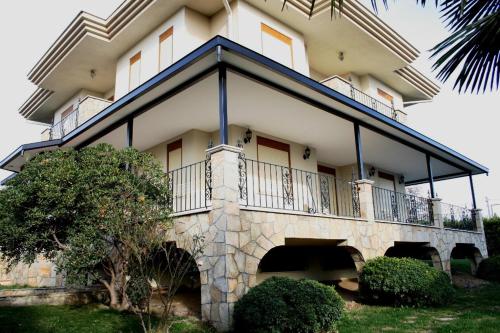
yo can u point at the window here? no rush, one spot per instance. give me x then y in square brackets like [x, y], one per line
[166, 51]
[135, 71]
[385, 95]
[174, 155]
[67, 112]
[276, 46]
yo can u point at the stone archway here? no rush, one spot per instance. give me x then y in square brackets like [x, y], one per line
[180, 263]
[466, 252]
[418, 251]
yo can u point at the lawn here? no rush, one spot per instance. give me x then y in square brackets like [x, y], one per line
[474, 310]
[86, 319]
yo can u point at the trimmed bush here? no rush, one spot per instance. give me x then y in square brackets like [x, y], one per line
[489, 269]
[404, 282]
[492, 233]
[281, 304]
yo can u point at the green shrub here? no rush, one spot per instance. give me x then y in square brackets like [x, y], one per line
[404, 282]
[284, 305]
[489, 269]
[492, 234]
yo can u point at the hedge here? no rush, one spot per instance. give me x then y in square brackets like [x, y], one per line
[404, 282]
[489, 269]
[281, 304]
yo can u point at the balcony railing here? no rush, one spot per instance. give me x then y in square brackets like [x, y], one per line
[456, 217]
[87, 107]
[401, 207]
[348, 89]
[266, 185]
[190, 187]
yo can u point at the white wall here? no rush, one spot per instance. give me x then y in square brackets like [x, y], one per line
[369, 85]
[248, 33]
[191, 30]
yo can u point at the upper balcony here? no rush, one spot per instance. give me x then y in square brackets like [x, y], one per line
[86, 109]
[343, 86]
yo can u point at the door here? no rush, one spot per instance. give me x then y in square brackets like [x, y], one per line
[273, 185]
[328, 190]
[178, 181]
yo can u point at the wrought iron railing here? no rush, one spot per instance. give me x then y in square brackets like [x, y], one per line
[401, 207]
[456, 217]
[348, 89]
[86, 108]
[267, 185]
[191, 187]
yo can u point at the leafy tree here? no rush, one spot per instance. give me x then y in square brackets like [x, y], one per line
[90, 211]
[473, 46]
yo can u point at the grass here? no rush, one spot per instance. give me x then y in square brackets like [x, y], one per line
[14, 286]
[461, 265]
[86, 319]
[474, 310]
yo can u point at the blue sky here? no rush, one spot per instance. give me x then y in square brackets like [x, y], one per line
[467, 123]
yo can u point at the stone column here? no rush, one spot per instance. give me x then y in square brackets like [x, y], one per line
[219, 267]
[437, 212]
[366, 207]
[476, 214]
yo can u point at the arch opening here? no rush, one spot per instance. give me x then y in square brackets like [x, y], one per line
[419, 251]
[465, 259]
[169, 265]
[328, 264]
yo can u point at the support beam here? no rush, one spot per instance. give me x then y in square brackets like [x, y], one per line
[474, 205]
[430, 176]
[359, 152]
[223, 126]
[130, 132]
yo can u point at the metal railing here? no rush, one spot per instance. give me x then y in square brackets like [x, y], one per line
[190, 187]
[456, 217]
[86, 108]
[401, 207]
[266, 185]
[348, 89]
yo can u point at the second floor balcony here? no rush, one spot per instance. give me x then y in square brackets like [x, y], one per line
[86, 109]
[341, 85]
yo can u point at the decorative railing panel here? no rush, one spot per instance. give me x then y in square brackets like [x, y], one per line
[348, 89]
[401, 207]
[87, 108]
[190, 187]
[267, 185]
[456, 217]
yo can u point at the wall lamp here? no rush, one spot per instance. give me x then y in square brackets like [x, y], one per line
[401, 179]
[248, 136]
[307, 153]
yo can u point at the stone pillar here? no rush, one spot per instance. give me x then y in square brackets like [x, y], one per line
[366, 208]
[437, 212]
[476, 214]
[219, 268]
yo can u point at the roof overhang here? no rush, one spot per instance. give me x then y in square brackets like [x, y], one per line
[93, 43]
[203, 62]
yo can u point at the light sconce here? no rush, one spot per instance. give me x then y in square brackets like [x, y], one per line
[210, 144]
[307, 153]
[341, 56]
[372, 171]
[92, 74]
[248, 136]
[401, 179]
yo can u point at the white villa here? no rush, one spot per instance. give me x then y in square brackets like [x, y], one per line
[286, 138]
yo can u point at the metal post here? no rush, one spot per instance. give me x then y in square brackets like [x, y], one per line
[223, 130]
[359, 152]
[429, 174]
[472, 191]
[130, 132]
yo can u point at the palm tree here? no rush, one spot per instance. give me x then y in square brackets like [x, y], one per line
[472, 48]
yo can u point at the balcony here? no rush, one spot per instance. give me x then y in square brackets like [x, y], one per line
[86, 109]
[344, 87]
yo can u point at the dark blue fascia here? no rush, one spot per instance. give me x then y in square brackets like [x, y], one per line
[230, 46]
[29, 146]
[9, 177]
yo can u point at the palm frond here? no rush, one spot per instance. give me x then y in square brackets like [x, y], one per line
[473, 47]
